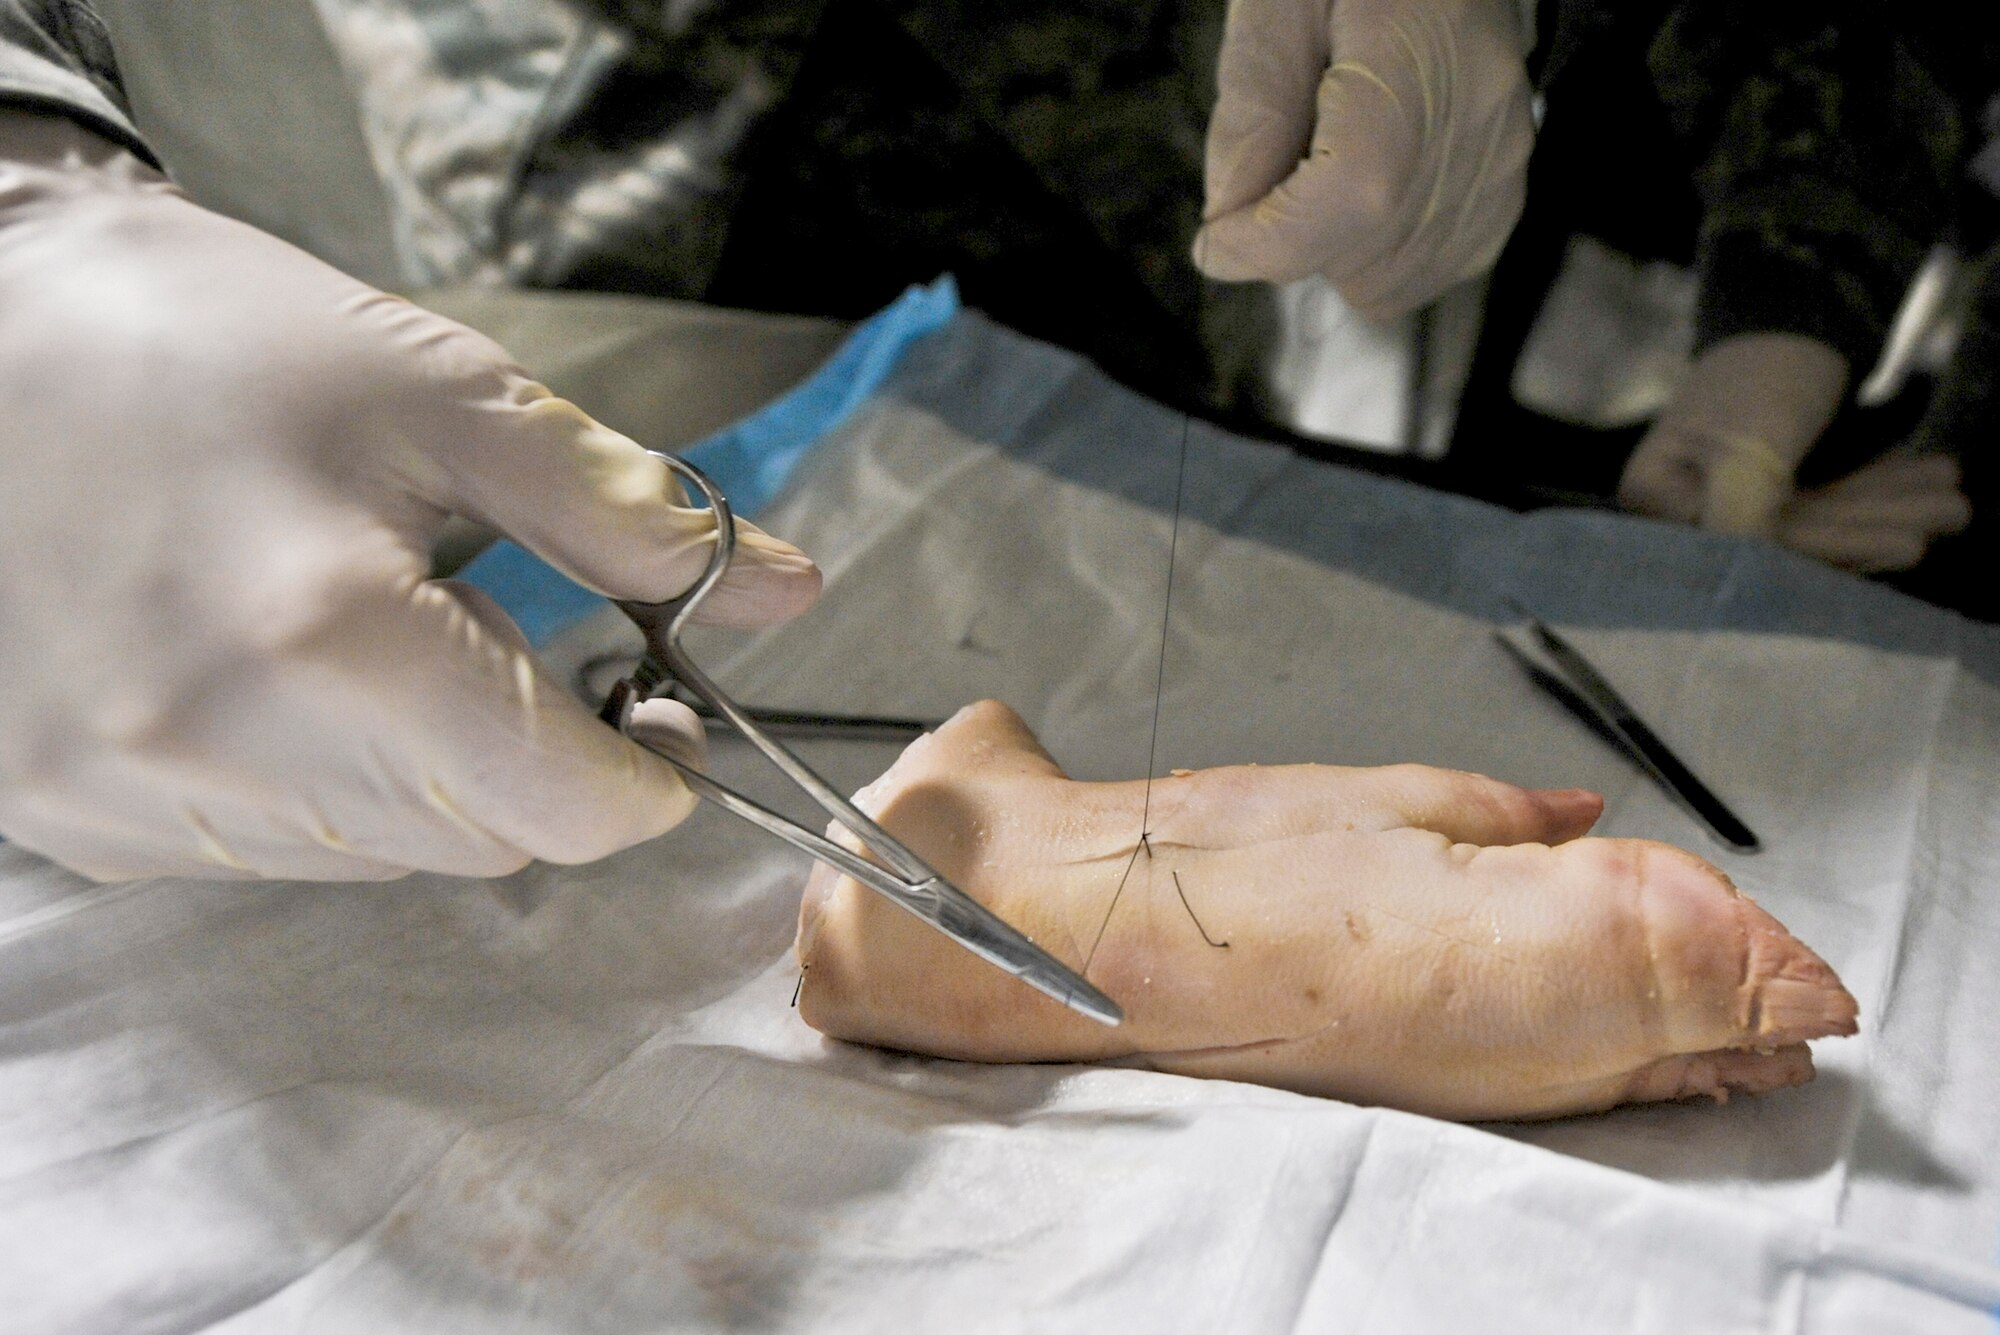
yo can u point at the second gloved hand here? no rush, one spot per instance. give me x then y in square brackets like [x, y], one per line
[223, 464]
[1382, 144]
[1883, 516]
[1726, 451]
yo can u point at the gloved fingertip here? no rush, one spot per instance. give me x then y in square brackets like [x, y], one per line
[1663, 478]
[1934, 470]
[750, 598]
[671, 729]
[1225, 249]
[769, 550]
[1209, 258]
[768, 583]
[1903, 552]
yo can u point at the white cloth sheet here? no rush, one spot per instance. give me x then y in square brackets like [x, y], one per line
[578, 1100]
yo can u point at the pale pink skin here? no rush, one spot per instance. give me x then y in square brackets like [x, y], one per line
[1413, 937]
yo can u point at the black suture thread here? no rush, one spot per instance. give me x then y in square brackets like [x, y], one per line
[1219, 945]
[1085, 970]
[1159, 692]
[1166, 612]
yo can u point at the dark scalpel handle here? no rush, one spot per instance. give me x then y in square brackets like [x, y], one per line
[1641, 742]
[1703, 804]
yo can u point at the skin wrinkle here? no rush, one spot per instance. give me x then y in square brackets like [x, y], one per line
[1166, 817]
[1487, 946]
[1238, 1049]
[1124, 856]
[1160, 817]
[1158, 844]
[1460, 851]
[1751, 1002]
[1651, 1017]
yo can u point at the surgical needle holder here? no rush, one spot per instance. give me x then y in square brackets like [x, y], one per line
[897, 874]
[1580, 688]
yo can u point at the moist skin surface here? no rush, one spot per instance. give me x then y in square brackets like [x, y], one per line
[1412, 937]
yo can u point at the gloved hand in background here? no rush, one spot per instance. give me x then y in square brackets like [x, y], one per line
[1726, 451]
[221, 467]
[1381, 143]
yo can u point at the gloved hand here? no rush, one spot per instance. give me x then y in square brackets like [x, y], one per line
[221, 469]
[1726, 451]
[1381, 143]
[1883, 516]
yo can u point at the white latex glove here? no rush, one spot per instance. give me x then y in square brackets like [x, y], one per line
[1726, 451]
[1380, 143]
[1881, 517]
[221, 467]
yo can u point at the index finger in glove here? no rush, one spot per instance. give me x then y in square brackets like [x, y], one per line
[1273, 54]
[1336, 211]
[1882, 517]
[584, 497]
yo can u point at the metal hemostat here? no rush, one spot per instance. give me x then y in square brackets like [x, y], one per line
[900, 875]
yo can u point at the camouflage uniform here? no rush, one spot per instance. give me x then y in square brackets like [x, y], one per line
[815, 155]
[54, 55]
[811, 156]
[1803, 158]
[1800, 159]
